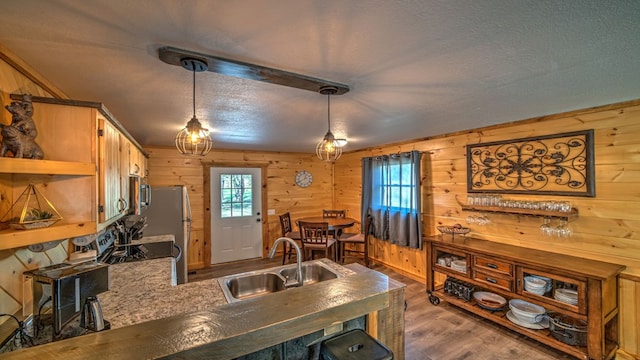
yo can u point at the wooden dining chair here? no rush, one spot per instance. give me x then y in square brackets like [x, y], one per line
[315, 237]
[287, 231]
[357, 242]
[334, 214]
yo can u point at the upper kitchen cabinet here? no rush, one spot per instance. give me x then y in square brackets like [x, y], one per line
[84, 174]
[66, 176]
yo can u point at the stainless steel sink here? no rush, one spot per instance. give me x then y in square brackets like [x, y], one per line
[253, 284]
[311, 273]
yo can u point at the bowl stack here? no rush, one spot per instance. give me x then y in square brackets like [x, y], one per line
[537, 285]
[526, 314]
[566, 296]
[459, 265]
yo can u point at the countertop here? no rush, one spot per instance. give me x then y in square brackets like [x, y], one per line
[152, 319]
[151, 297]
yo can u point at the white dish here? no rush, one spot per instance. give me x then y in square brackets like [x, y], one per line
[459, 265]
[544, 324]
[526, 311]
[536, 291]
[526, 307]
[566, 296]
[534, 282]
[567, 293]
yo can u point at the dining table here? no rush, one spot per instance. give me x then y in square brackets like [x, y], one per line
[335, 223]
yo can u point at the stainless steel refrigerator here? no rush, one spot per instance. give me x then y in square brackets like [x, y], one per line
[170, 213]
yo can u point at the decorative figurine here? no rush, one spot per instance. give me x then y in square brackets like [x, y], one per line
[19, 137]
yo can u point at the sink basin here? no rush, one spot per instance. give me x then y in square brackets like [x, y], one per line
[311, 273]
[247, 286]
[253, 284]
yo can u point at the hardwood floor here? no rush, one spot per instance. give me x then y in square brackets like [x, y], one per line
[440, 332]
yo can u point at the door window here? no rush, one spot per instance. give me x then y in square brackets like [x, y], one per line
[235, 195]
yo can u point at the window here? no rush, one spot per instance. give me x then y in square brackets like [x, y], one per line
[235, 195]
[395, 187]
[391, 194]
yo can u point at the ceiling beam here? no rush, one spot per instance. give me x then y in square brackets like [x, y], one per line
[239, 69]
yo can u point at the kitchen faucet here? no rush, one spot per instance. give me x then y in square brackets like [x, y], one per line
[299, 278]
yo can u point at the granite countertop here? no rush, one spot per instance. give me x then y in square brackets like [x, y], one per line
[141, 291]
[229, 330]
[138, 291]
[144, 291]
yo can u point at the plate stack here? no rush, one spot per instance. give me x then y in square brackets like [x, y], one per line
[459, 265]
[527, 315]
[537, 285]
[566, 296]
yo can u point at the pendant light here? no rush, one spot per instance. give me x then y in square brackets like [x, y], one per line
[329, 148]
[194, 139]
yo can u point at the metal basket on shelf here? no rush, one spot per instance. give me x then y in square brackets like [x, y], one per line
[453, 230]
[568, 330]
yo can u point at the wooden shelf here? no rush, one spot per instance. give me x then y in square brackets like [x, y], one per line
[568, 216]
[499, 317]
[10, 238]
[46, 167]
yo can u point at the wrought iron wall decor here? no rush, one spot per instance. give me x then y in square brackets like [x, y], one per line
[559, 164]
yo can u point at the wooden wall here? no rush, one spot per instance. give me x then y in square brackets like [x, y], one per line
[608, 227]
[168, 167]
[16, 77]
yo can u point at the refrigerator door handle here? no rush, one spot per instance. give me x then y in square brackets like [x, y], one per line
[177, 257]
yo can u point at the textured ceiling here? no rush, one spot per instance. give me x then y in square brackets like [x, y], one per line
[415, 68]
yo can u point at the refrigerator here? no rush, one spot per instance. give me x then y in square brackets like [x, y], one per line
[170, 213]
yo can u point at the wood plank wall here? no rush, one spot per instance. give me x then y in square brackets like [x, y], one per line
[168, 167]
[16, 77]
[608, 227]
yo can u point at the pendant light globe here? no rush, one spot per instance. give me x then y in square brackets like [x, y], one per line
[329, 149]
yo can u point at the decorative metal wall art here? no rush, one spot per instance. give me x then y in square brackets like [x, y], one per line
[560, 164]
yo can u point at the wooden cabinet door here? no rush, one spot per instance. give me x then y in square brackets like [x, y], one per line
[125, 154]
[136, 162]
[109, 171]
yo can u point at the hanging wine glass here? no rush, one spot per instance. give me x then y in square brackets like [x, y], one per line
[546, 227]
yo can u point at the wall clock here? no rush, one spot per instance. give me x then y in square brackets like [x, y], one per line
[303, 178]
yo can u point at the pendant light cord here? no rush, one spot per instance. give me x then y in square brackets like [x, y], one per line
[329, 111]
[194, 91]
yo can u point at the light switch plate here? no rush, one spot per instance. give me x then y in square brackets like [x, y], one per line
[271, 211]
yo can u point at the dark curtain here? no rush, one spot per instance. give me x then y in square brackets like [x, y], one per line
[391, 193]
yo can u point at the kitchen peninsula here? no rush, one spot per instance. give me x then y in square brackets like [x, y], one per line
[194, 320]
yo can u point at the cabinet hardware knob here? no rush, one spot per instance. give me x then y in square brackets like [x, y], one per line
[493, 266]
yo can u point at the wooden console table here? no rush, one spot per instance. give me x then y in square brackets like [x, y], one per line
[501, 269]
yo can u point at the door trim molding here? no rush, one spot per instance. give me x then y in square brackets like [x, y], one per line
[206, 169]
